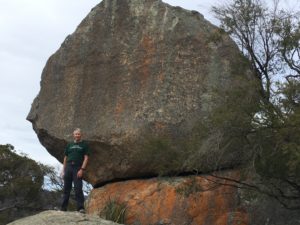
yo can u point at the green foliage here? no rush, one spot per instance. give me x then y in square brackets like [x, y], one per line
[281, 145]
[21, 186]
[269, 39]
[21, 181]
[20, 177]
[114, 211]
[288, 30]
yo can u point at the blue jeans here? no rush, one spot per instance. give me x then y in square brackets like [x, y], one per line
[69, 177]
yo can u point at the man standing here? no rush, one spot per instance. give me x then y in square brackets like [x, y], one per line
[75, 162]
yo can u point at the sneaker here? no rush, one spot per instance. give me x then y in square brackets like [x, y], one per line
[81, 210]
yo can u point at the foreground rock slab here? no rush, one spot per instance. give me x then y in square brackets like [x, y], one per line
[60, 218]
[192, 200]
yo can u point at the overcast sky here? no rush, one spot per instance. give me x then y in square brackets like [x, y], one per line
[31, 31]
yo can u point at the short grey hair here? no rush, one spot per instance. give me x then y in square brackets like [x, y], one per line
[77, 130]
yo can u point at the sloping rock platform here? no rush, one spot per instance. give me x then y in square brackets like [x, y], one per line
[51, 217]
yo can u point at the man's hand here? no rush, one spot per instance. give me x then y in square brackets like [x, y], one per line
[80, 173]
[62, 174]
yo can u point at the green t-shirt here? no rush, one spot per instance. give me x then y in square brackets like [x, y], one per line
[76, 151]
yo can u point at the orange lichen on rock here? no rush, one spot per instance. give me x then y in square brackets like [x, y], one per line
[147, 45]
[192, 200]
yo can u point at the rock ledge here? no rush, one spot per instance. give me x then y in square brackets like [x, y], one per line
[60, 218]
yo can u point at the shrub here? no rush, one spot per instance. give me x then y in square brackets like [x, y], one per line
[114, 211]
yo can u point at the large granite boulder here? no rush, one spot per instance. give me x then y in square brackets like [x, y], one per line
[140, 78]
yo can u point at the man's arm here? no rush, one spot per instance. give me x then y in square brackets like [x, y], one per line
[65, 162]
[62, 174]
[85, 161]
[83, 166]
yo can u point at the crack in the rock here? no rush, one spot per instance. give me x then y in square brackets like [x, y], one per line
[151, 176]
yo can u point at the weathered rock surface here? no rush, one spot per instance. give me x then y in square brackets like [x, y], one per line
[138, 77]
[60, 218]
[178, 201]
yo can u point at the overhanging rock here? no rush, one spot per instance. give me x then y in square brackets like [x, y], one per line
[139, 78]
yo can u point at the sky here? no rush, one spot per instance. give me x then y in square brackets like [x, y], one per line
[30, 32]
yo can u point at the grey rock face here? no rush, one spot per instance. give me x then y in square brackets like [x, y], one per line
[60, 218]
[137, 76]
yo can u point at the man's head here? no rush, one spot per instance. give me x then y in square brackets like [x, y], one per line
[77, 135]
